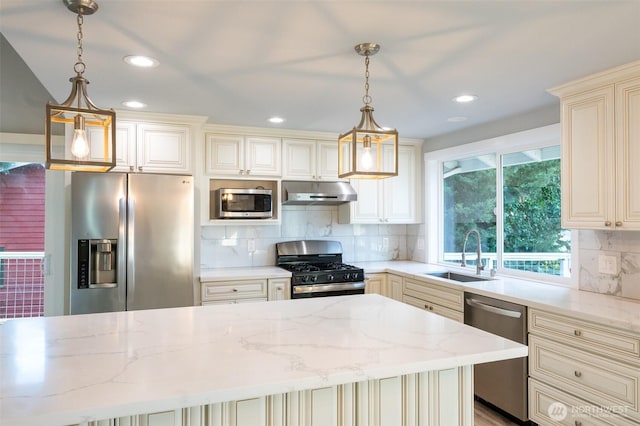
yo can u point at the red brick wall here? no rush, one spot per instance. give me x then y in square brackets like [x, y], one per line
[22, 208]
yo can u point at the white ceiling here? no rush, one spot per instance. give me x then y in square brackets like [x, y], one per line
[240, 62]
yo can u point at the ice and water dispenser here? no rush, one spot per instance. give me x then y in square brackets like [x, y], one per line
[97, 263]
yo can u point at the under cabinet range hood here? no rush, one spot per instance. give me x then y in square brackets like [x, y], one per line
[308, 193]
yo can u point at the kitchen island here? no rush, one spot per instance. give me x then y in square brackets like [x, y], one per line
[346, 360]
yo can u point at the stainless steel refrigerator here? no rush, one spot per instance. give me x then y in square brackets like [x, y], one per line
[131, 242]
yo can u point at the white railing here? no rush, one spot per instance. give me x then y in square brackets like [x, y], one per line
[21, 284]
[558, 264]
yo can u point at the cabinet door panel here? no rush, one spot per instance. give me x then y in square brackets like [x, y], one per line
[263, 156]
[164, 148]
[400, 191]
[299, 159]
[628, 153]
[327, 164]
[368, 208]
[224, 154]
[588, 186]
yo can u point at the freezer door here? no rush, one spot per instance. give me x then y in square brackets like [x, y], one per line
[160, 241]
[98, 214]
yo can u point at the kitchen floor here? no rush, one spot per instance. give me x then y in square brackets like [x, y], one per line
[484, 416]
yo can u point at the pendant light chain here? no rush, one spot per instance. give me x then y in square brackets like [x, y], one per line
[366, 98]
[79, 66]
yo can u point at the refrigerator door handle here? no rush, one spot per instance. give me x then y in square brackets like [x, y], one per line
[122, 246]
[131, 265]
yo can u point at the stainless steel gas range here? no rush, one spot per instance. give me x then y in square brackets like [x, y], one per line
[317, 269]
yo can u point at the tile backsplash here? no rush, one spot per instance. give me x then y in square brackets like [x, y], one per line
[241, 245]
[624, 246]
[247, 245]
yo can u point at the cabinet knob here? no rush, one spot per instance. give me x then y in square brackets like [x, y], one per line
[577, 373]
[130, 168]
[241, 172]
[618, 223]
[577, 333]
[577, 423]
[607, 223]
[140, 168]
[248, 171]
[235, 290]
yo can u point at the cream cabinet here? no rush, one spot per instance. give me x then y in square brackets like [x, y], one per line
[239, 155]
[150, 147]
[601, 150]
[234, 291]
[390, 200]
[279, 288]
[376, 284]
[309, 160]
[394, 287]
[591, 371]
[434, 297]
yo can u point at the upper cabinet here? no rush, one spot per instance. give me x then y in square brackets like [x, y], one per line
[309, 160]
[601, 149]
[390, 200]
[236, 155]
[146, 145]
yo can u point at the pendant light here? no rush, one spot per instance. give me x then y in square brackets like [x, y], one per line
[368, 151]
[90, 143]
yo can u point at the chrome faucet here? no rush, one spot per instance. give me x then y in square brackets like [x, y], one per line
[479, 265]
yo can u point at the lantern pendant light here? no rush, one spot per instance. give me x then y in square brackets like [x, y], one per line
[90, 142]
[368, 151]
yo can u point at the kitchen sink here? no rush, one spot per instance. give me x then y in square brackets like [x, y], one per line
[454, 276]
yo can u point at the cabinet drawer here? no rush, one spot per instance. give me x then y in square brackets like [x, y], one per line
[234, 290]
[597, 379]
[607, 341]
[435, 308]
[435, 293]
[550, 406]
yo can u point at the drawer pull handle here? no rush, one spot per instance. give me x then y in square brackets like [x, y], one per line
[618, 223]
[577, 373]
[577, 333]
[235, 290]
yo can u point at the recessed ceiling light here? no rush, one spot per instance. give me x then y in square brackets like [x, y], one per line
[456, 119]
[141, 61]
[463, 99]
[276, 120]
[134, 104]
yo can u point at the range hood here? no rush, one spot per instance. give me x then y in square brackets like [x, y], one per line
[309, 192]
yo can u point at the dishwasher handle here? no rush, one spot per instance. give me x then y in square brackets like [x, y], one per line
[493, 309]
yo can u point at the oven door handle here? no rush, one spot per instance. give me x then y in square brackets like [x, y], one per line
[316, 288]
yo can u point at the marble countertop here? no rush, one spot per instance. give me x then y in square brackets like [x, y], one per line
[247, 273]
[73, 369]
[604, 309]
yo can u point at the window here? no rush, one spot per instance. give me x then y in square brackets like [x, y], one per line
[508, 189]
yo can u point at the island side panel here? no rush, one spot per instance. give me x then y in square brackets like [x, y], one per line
[422, 399]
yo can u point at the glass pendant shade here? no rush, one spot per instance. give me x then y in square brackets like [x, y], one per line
[90, 142]
[368, 151]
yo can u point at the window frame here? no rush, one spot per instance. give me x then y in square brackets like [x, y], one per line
[433, 177]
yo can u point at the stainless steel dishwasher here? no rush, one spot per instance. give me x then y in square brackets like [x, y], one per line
[500, 383]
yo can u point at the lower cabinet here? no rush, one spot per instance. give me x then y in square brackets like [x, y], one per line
[582, 373]
[434, 297]
[433, 398]
[375, 283]
[244, 291]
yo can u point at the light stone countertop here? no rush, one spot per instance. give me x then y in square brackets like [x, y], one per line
[243, 273]
[614, 311]
[73, 369]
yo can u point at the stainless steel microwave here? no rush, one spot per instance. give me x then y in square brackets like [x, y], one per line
[243, 203]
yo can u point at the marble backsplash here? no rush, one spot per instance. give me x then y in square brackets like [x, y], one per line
[247, 245]
[625, 247]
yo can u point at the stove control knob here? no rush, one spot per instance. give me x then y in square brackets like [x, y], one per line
[330, 277]
[347, 276]
[305, 278]
[314, 278]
